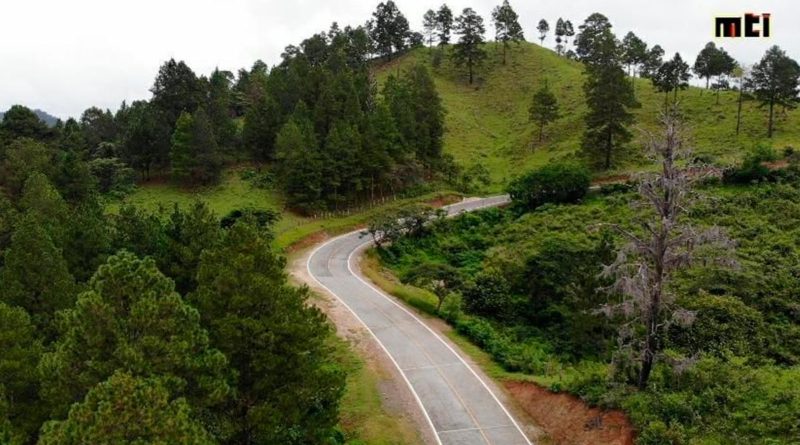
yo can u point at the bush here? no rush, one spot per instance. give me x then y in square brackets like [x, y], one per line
[752, 168]
[553, 183]
[617, 187]
[724, 325]
[489, 295]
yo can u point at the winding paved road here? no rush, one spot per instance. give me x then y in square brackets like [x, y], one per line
[459, 406]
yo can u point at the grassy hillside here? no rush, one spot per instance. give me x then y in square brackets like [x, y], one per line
[487, 122]
[531, 302]
[233, 193]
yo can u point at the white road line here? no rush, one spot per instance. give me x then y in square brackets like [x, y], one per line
[381, 293]
[431, 331]
[438, 369]
[403, 374]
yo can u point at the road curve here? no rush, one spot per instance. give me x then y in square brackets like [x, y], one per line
[459, 406]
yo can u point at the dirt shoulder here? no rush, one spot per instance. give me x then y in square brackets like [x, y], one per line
[408, 424]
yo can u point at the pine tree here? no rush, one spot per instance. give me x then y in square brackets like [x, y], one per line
[261, 124]
[383, 149]
[704, 64]
[219, 107]
[22, 158]
[389, 29]
[22, 349]
[146, 142]
[342, 163]
[132, 320]
[506, 25]
[429, 115]
[35, 276]
[287, 387]
[42, 202]
[469, 51]
[672, 76]
[444, 24]
[128, 410]
[21, 122]
[429, 24]
[208, 163]
[544, 108]
[300, 163]
[543, 28]
[186, 234]
[774, 81]
[634, 53]
[713, 61]
[181, 159]
[176, 90]
[653, 61]
[195, 156]
[560, 32]
[608, 93]
[568, 32]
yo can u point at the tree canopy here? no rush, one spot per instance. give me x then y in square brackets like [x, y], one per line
[469, 51]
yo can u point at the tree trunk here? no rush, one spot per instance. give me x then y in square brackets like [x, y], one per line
[739, 110]
[649, 354]
[609, 143]
[469, 63]
[541, 131]
[771, 108]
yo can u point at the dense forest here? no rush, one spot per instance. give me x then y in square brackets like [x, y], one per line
[177, 325]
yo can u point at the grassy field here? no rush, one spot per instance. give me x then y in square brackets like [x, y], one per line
[363, 418]
[236, 193]
[487, 122]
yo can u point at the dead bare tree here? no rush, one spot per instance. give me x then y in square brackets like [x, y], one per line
[666, 243]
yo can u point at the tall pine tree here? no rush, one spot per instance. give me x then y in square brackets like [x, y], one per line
[469, 49]
[608, 94]
[506, 25]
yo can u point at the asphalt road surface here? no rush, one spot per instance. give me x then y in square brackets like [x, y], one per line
[458, 405]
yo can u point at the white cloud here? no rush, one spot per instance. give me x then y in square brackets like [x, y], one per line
[64, 56]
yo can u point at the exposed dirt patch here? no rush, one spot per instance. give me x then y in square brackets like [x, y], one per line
[614, 179]
[311, 240]
[443, 201]
[567, 420]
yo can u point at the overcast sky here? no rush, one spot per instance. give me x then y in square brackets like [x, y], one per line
[65, 55]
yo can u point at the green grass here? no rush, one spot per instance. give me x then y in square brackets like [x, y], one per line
[425, 302]
[235, 193]
[487, 122]
[362, 417]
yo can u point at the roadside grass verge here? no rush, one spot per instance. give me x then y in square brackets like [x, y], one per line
[363, 418]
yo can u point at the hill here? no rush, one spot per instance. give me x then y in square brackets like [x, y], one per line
[487, 122]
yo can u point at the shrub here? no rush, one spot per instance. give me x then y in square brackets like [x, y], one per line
[113, 176]
[752, 168]
[723, 325]
[489, 295]
[553, 183]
